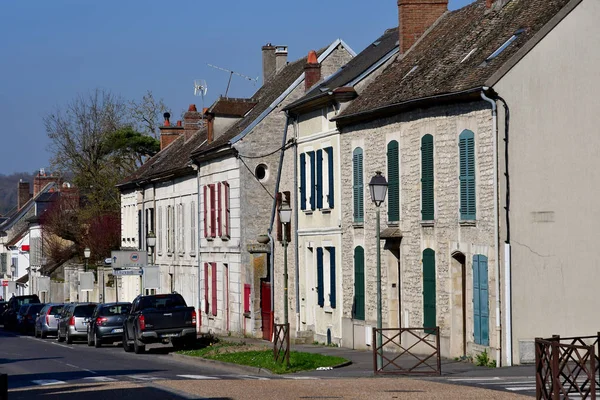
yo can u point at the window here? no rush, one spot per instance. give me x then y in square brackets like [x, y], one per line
[180, 229]
[193, 228]
[504, 45]
[214, 288]
[320, 280]
[358, 310]
[303, 181]
[467, 175]
[358, 189]
[227, 211]
[206, 302]
[210, 204]
[159, 231]
[317, 179]
[427, 201]
[332, 282]
[313, 185]
[170, 229]
[480, 300]
[393, 182]
[213, 211]
[261, 172]
[328, 178]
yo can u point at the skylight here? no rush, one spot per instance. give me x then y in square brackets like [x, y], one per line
[505, 45]
[376, 43]
[469, 55]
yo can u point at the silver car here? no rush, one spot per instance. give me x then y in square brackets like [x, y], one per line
[72, 323]
[46, 322]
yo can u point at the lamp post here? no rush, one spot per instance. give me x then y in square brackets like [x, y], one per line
[378, 187]
[86, 254]
[13, 271]
[150, 243]
[285, 216]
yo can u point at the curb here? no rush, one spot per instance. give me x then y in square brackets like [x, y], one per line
[223, 365]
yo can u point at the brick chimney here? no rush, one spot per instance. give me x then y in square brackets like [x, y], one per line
[23, 194]
[415, 17]
[269, 61]
[168, 132]
[281, 54]
[192, 121]
[41, 180]
[312, 71]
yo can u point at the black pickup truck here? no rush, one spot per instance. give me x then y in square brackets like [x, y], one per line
[159, 319]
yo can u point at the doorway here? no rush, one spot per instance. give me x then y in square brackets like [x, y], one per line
[459, 305]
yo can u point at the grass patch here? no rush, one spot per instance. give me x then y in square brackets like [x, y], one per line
[262, 357]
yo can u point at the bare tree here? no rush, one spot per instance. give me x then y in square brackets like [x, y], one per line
[146, 114]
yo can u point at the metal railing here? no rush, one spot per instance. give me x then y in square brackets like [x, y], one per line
[408, 360]
[567, 366]
[281, 343]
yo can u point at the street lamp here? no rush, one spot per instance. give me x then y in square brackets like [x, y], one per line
[13, 271]
[86, 254]
[285, 216]
[378, 187]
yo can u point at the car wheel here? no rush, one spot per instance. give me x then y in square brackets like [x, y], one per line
[126, 346]
[138, 346]
[97, 341]
[89, 340]
[69, 338]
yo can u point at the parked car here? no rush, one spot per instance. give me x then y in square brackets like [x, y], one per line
[14, 304]
[106, 324]
[20, 316]
[47, 320]
[27, 322]
[72, 323]
[3, 305]
[159, 318]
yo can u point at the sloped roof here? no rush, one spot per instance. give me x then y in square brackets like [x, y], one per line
[231, 106]
[374, 52]
[172, 160]
[264, 97]
[15, 217]
[451, 56]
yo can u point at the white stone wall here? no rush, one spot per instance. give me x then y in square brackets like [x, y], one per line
[402, 288]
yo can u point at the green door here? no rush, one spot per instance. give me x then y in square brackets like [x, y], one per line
[359, 283]
[429, 317]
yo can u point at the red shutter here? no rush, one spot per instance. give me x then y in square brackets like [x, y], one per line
[214, 289]
[247, 298]
[227, 213]
[205, 213]
[219, 210]
[213, 229]
[206, 288]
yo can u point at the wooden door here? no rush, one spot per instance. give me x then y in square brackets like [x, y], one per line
[266, 310]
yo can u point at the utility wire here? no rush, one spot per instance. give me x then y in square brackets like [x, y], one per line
[249, 170]
[287, 146]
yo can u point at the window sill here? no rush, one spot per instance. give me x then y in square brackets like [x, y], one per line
[427, 223]
[225, 237]
[393, 224]
[326, 210]
[307, 212]
[328, 310]
[193, 254]
[358, 225]
[467, 222]
[210, 238]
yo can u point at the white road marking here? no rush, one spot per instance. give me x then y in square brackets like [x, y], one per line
[258, 378]
[62, 345]
[520, 388]
[89, 370]
[143, 377]
[299, 378]
[47, 382]
[495, 378]
[100, 379]
[199, 377]
[525, 382]
[72, 366]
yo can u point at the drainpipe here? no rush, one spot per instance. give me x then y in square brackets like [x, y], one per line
[496, 227]
[274, 210]
[296, 256]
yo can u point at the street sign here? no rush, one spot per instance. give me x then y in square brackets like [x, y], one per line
[128, 259]
[127, 272]
[5, 283]
[151, 277]
[86, 281]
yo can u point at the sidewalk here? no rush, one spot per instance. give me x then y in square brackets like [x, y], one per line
[362, 362]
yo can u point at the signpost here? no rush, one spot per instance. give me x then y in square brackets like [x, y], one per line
[128, 259]
[127, 272]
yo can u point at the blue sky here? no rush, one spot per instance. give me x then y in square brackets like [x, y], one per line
[54, 50]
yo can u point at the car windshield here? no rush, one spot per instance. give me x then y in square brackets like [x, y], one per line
[115, 310]
[84, 311]
[34, 309]
[160, 302]
[28, 300]
[56, 310]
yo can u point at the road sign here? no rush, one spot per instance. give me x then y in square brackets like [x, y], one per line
[127, 272]
[4, 283]
[129, 259]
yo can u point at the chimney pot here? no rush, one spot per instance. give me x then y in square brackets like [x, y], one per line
[192, 108]
[415, 17]
[281, 54]
[179, 123]
[312, 71]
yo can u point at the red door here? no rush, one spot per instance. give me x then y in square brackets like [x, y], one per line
[266, 310]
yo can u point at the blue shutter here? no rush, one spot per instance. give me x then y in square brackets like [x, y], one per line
[476, 302]
[319, 179]
[320, 288]
[329, 151]
[466, 145]
[427, 199]
[313, 195]
[393, 182]
[359, 284]
[303, 181]
[358, 189]
[481, 300]
[332, 277]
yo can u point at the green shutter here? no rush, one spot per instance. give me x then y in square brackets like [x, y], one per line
[359, 283]
[303, 181]
[329, 151]
[319, 179]
[332, 293]
[357, 170]
[481, 300]
[393, 182]
[320, 285]
[427, 209]
[466, 148]
[429, 290]
[313, 186]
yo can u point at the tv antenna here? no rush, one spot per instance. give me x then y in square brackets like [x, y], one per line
[200, 89]
[231, 73]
